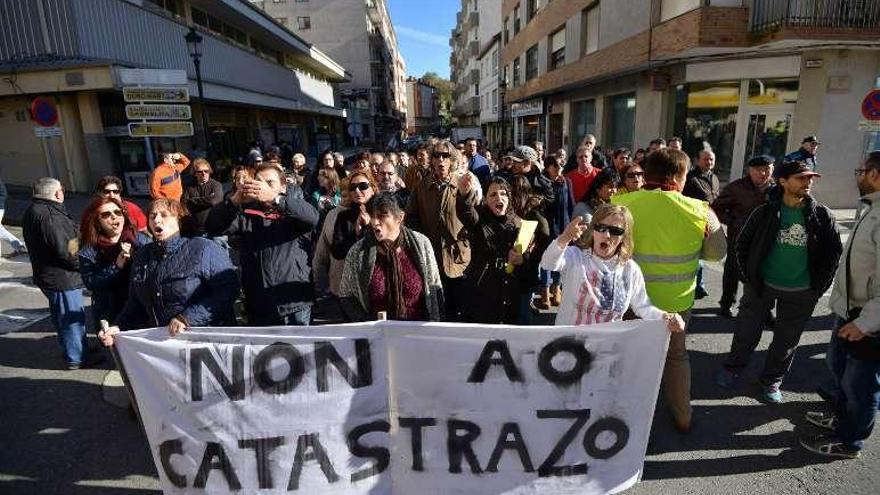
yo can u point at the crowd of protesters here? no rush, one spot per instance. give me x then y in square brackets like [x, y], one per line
[453, 232]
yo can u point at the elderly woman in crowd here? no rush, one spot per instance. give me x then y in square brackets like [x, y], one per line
[492, 292]
[108, 241]
[392, 269]
[599, 193]
[176, 282]
[601, 279]
[343, 227]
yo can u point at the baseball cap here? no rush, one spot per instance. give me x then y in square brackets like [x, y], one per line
[522, 153]
[761, 161]
[788, 169]
[811, 139]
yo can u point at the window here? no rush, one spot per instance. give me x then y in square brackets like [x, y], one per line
[506, 30]
[590, 29]
[516, 72]
[583, 119]
[171, 6]
[279, 1]
[531, 9]
[531, 62]
[304, 23]
[495, 100]
[516, 20]
[282, 21]
[623, 120]
[495, 62]
[557, 49]
[300, 1]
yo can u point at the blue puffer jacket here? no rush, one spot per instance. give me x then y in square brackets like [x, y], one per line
[108, 282]
[190, 278]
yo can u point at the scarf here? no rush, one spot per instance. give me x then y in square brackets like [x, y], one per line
[345, 232]
[108, 250]
[657, 185]
[387, 257]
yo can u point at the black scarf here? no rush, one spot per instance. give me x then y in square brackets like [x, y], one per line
[387, 257]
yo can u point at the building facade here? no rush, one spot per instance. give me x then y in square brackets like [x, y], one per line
[423, 112]
[745, 76]
[490, 98]
[260, 81]
[476, 25]
[359, 35]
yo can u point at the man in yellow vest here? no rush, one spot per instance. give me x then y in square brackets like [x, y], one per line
[672, 233]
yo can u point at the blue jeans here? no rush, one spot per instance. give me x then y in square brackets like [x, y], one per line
[546, 276]
[700, 285]
[525, 308]
[69, 319]
[301, 317]
[857, 384]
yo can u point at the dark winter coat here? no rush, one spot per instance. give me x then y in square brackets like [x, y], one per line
[735, 203]
[702, 185]
[108, 282]
[274, 251]
[190, 278]
[50, 235]
[761, 228]
[199, 199]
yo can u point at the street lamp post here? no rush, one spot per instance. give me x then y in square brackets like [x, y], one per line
[502, 94]
[194, 43]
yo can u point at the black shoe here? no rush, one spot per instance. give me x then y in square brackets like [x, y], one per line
[93, 360]
[700, 293]
[724, 312]
[770, 322]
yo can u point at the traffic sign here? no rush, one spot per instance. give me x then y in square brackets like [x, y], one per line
[148, 93]
[869, 125]
[158, 112]
[42, 132]
[44, 111]
[160, 129]
[871, 105]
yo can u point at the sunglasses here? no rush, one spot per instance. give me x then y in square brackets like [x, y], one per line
[358, 186]
[609, 229]
[110, 191]
[203, 171]
[635, 175]
[440, 154]
[111, 213]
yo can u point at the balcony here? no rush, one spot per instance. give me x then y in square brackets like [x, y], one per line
[774, 15]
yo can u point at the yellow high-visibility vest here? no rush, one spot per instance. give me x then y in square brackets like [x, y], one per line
[668, 237]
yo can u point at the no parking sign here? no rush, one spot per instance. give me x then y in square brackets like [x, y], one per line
[871, 105]
[44, 111]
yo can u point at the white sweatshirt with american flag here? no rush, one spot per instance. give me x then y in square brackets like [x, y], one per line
[596, 290]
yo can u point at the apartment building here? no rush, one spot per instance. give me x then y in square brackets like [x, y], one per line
[476, 24]
[745, 76]
[359, 35]
[490, 97]
[260, 81]
[422, 116]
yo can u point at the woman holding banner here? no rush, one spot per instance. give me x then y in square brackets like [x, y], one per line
[492, 291]
[176, 281]
[600, 278]
[392, 270]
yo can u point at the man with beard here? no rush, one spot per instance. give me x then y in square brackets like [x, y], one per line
[854, 351]
[787, 253]
[390, 182]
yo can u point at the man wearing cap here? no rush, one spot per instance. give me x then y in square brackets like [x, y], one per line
[806, 153]
[733, 206]
[787, 253]
[525, 160]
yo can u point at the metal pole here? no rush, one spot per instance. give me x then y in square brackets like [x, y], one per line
[198, 64]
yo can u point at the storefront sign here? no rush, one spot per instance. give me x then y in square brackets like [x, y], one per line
[524, 108]
[160, 129]
[169, 94]
[158, 112]
[43, 132]
[134, 77]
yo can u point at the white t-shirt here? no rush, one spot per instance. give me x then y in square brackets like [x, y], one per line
[596, 290]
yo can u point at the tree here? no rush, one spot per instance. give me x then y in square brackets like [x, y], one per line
[445, 100]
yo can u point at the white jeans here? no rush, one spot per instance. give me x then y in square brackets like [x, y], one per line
[7, 235]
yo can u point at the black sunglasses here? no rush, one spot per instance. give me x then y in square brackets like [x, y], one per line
[633, 175]
[359, 186]
[112, 213]
[440, 154]
[609, 229]
[110, 191]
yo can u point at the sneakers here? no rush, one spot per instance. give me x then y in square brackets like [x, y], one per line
[822, 419]
[828, 445]
[94, 359]
[726, 378]
[771, 393]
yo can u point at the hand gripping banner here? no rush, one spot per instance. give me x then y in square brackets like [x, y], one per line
[397, 407]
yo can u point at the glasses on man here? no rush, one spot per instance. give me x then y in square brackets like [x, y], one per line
[387, 173]
[358, 186]
[609, 229]
[110, 191]
[105, 215]
[200, 172]
[634, 175]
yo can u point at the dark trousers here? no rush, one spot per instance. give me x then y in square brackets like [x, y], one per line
[793, 310]
[857, 392]
[729, 281]
[452, 293]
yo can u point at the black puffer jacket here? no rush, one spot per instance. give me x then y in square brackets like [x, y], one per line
[274, 249]
[759, 233]
[51, 239]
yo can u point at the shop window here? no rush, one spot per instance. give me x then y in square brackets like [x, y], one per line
[557, 49]
[583, 119]
[532, 62]
[772, 91]
[623, 120]
[705, 115]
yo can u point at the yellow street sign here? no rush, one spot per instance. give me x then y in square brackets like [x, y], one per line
[158, 112]
[160, 129]
[158, 93]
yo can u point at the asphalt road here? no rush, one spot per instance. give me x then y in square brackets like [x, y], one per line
[64, 432]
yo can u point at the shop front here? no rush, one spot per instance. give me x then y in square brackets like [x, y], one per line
[528, 121]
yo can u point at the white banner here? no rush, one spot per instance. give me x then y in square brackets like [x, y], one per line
[397, 407]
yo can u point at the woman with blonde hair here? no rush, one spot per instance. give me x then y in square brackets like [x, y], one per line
[599, 277]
